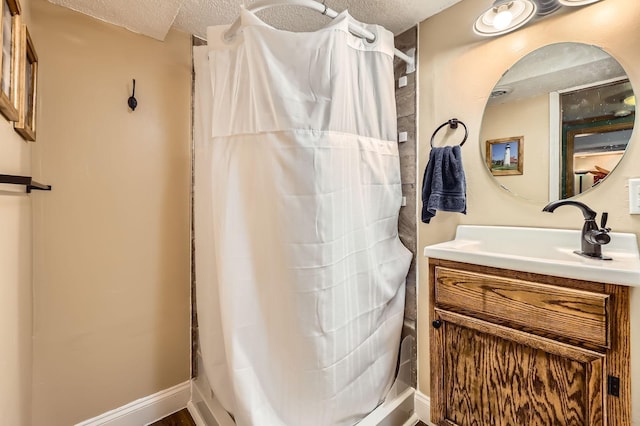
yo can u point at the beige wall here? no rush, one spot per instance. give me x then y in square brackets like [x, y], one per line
[111, 241]
[528, 118]
[457, 73]
[15, 277]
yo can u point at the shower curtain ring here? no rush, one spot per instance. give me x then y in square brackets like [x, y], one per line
[325, 7]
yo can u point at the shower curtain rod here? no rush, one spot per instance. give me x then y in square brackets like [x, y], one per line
[319, 7]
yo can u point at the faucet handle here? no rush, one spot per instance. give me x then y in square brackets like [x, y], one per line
[603, 221]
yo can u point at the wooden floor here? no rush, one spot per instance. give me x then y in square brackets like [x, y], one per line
[181, 418]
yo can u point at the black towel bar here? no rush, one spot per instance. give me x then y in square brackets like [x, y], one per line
[27, 181]
[453, 124]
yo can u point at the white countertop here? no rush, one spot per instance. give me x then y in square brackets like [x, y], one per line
[543, 251]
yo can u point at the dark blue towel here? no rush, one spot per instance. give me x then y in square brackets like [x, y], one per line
[444, 186]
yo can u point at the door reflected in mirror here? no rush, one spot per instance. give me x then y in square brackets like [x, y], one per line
[594, 138]
[575, 107]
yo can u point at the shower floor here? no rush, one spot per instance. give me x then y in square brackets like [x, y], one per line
[397, 410]
[183, 418]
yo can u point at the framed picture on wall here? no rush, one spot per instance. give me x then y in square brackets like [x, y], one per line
[26, 123]
[10, 27]
[505, 156]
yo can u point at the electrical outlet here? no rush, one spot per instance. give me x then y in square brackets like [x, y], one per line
[613, 386]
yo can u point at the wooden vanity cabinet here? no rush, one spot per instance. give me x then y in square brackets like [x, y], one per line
[515, 348]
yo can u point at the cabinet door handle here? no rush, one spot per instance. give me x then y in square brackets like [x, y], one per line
[436, 324]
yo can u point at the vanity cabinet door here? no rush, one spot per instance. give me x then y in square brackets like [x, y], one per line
[488, 374]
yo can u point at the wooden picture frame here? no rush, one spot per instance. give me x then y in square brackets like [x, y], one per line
[505, 156]
[26, 123]
[10, 27]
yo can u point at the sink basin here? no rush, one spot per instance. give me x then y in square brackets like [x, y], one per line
[542, 250]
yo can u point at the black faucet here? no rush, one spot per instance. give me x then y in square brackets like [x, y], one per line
[593, 237]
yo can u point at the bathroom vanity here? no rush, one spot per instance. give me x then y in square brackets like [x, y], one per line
[520, 346]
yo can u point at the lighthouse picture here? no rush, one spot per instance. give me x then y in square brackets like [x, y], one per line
[507, 156]
[504, 156]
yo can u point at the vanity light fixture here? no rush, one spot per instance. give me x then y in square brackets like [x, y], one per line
[576, 2]
[630, 100]
[547, 7]
[504, 16]
[622, 113]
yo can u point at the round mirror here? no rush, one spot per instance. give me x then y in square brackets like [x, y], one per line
[558, 122]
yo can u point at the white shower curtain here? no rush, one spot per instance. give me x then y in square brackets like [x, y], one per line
[299, 269]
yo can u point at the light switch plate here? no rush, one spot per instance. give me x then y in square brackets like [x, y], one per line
[402, 136]
[402, 81]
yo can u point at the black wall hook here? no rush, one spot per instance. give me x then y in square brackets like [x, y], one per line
[133, 103]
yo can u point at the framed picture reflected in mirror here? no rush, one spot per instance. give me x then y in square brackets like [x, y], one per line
[505, 156]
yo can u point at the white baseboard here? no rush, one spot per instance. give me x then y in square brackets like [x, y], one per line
[422, 407]
[195, 414]
[145, 410]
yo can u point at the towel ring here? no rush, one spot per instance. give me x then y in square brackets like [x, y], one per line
[453, 124]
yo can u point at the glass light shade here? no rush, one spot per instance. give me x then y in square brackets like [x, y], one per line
[576, 2]
[502, 19]
[495, 21]
[631, 100]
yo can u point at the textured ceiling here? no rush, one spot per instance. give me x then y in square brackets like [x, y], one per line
[149, 17]
[154, 18]
[564, 66]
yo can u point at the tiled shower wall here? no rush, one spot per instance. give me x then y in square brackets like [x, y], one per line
[406, 109]
[195, 41]
[407, 223]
